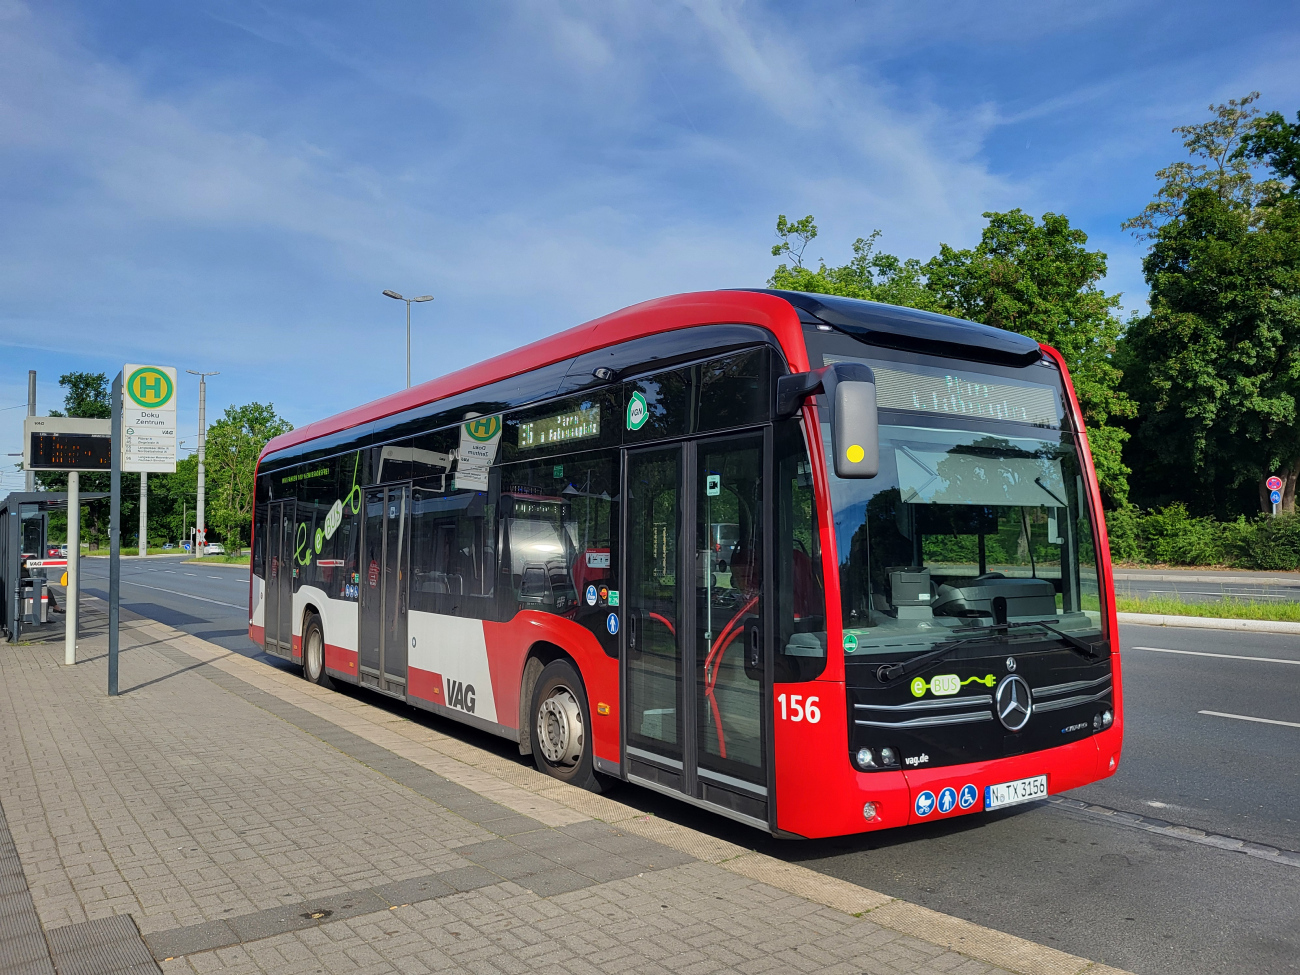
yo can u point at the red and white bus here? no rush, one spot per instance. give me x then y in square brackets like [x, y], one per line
[818, 564]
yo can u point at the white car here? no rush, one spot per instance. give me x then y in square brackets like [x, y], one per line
[214, 548]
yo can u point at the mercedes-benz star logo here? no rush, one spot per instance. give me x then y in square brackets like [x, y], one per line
[1012, 702]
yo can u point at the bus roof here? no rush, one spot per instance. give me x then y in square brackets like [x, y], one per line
[775, 313]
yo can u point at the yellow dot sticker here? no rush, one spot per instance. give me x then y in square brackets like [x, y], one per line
[855, 454]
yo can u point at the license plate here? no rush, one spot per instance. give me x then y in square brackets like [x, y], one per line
[1013, 793]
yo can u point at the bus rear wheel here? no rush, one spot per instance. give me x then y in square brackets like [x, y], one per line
[313, 652]
[562, 744]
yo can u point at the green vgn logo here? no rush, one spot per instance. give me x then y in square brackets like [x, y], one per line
[637, 411]
[483, 428]
[150, 387]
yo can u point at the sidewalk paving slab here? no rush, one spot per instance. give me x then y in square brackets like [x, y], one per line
[224, 815]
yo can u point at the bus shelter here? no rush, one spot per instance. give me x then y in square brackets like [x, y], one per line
[24, 537]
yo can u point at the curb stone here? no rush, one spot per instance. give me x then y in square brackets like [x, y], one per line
[1211, 623]
[520, 788]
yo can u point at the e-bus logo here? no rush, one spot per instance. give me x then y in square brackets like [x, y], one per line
[460, 695]
[150, 387]
[637, 411]
[484, 428]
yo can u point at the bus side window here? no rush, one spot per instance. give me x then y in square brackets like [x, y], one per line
[559, 534]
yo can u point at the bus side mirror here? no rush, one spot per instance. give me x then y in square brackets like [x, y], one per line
[851, 389]
[855, 433]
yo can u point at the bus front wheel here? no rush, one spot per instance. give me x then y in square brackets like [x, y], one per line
[313, 652]
[562, 744]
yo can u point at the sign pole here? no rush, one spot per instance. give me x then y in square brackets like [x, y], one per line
[74, 569]
[114, 536]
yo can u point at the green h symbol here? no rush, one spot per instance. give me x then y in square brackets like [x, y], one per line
[151, 386]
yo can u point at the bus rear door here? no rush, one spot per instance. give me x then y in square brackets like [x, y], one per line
[281, 517]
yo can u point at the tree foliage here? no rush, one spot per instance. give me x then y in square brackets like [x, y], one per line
[1216, 362]
[234, 443]
[871, 275]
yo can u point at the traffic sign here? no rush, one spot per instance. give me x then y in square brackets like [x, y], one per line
[1276, 497]
[1274, 483]
[149, 418]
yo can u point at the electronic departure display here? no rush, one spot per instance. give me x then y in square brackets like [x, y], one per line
[562, 428]
[71, 452]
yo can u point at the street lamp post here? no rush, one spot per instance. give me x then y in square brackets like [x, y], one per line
[394, 294]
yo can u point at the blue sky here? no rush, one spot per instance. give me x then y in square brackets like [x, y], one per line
[230, 185]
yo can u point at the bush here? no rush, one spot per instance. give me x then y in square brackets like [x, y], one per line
[1171, 536]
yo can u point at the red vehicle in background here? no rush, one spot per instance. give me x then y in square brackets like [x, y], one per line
[817, 564]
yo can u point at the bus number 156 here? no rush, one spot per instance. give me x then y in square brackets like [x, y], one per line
[800, 709]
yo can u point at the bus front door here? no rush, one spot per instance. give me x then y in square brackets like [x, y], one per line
[694, 670]
[385, 570]
[279, 577]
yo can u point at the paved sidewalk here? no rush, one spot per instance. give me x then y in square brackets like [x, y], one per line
[223, 815]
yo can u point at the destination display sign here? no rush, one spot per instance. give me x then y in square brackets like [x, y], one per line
[562, 428]
[61, 443]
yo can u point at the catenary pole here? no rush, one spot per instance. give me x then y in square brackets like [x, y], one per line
[200, 524]
[29, 479]
[74, 569]
[115, 536]
[143, 542]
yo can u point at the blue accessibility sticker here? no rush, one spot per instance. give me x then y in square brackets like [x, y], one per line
[968, 796]
[947, 800]
[591, 595]
[611, 623]
[925, 803]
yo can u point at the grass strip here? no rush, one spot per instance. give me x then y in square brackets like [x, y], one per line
[1229, 608]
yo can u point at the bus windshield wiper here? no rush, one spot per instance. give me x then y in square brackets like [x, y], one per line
[888, 672]
[1075, 644]
[891, 672]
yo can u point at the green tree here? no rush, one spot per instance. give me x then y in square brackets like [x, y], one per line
[1041, 280]
[871, 275]
[1221, 151]
[234, 443]
[1216, 362]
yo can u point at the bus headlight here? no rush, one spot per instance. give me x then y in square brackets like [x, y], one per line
[1107, 718]
[888, 757]
[869, 811]
[866, 760]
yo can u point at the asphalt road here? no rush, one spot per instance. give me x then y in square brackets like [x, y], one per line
[1080, 880]
[1207, 586]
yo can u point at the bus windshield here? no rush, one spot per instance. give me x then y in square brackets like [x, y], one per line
[963, 528]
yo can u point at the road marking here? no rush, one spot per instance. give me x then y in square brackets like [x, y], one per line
[1224, 656]
[187, 595]
[1190, 834]
[1246, 717]
[214, 577]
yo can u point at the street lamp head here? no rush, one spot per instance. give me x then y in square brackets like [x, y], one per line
[394, 294]
[423, 298]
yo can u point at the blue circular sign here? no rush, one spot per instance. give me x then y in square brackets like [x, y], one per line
[968, 796]
[611, 623]
[947, 800]
[591, 595]
[1276, 497]
[925, 803]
